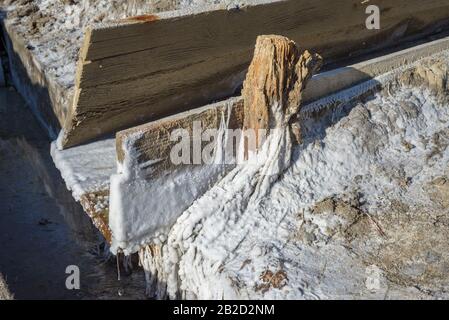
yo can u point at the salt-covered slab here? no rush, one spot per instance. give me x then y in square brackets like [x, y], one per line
[86, 171]
[149, 191]
[152, 66]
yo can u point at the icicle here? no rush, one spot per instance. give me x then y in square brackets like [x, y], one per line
[151, 258]
[118, 267]
[127, 263]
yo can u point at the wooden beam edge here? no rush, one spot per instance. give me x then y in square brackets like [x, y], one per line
[319, 86]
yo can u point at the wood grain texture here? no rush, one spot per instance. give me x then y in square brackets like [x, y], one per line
[100, 217]
[154, 141]
[134, 73]
[274, 84]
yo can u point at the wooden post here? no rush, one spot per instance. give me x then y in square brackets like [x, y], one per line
[276, 79]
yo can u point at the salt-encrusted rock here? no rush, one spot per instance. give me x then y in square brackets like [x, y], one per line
[433, 74]
[4, 292]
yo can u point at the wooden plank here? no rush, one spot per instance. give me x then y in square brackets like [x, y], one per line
[136, 72]
[154, 143]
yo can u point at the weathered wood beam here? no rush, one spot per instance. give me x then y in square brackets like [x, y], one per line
[154, 135]
[145, 69]
[154, 143]
[274, 84]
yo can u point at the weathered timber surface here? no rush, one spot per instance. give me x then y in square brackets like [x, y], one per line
[154, 141]
[100, 217]
[154, 136]
[275, 82]
[137, 72]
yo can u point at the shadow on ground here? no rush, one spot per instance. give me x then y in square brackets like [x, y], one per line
[42, 229]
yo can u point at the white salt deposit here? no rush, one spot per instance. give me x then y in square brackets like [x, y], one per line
[369, 159]
[86, 168]
[211, 241]
[143, 206]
